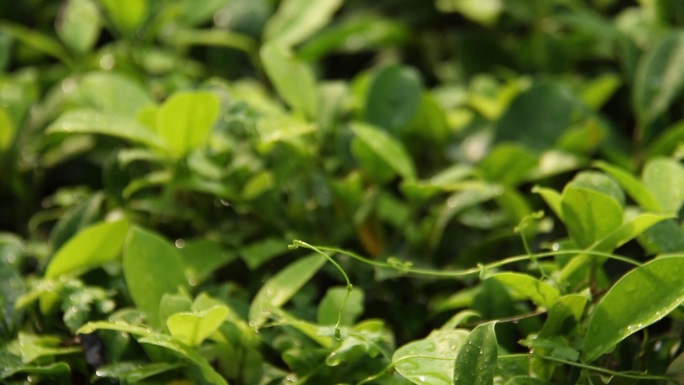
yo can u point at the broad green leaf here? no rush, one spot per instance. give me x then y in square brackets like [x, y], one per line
[610, 242]
[87, 121]
[601, 183]
[151, 267]
[664, 178]
[172, 303]
[133, 372]
[7, 129]
[297, 20]
[371, 163]
[429, 122]
[193, 328]
[476, 359]
[119, 326]
[330, 305]
[528, 287]
[393, 97]
[508, 164]
[257, 253]
[634, 187]
[430, 360]
[206, 374]
[114, 93]
[126, 15]
[537, 117]
[589, 215]
[281, 287]
[186, 119]
[552, 199]
[201, 257]
[483, 12]
[564, 315]
[293, 79]
[78, 26]
[91, 247]
[664, 237]
[387, 148]
[36, 40]
[640, 298]
[599, 90]
[659, 80]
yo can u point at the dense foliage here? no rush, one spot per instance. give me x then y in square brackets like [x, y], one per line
[472, 192]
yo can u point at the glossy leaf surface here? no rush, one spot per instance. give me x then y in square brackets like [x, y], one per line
[476, 359]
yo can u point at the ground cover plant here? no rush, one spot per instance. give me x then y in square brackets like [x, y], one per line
[341, 192]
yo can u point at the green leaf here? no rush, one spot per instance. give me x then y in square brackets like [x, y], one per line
[485, 13]
[133, 372]
[293, 79]
[36, 40]
[588, 214]
[430, 360]
[476, 360]
[151, 267]
[508, 164]
[329, 308]
[114, 93]
[206, 375]
[297, 20]
[257, 253]
[552, 199]
[201, 257]
[634, 187]
[30, 347]
[387, 148]
[640, 298]
[78, 26]
[186, 119]
[393, 97]
[126, 15]
[87, 121]
[529, 287]
[537, 117]
[91, 247]
[7, 129]
[193, 328]
[659, 80]
[564, 315]
[664, 178]
[601, 183]
[526, 381]
[281, 287]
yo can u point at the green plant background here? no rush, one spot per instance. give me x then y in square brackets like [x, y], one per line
[341, 192]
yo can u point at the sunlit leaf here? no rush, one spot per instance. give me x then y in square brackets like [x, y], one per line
[78, 26]
[387, 148]
[297, 20]
[529, 287]
[193, 328]
[152, 267]
[640, 298]
[281, 287]
[430, 360]
[186, 119]
[476, 359]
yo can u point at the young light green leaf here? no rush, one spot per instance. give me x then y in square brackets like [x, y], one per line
[329, 308]
[552, 199]
[281, 287]
[151, 268]
[589, 215]
[31, 347]
[393, 97]
[186, 119]
[7, 129]
[664, 178]
[87, 121]
[387, 148]
[640, 298]
[133, 372]
[126, 15]
[114, 93]
[78, 26]
[476, 359]
[293, 79]
[529, 287]
[634, 187]
[658, 79]
[430, 360]
[297, 20]
[91, 247]
[485, 13]
[193, 328]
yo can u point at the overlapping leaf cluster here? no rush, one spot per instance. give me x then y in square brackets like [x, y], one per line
[473, 192]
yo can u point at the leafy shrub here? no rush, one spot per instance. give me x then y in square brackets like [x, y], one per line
[472, 192]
